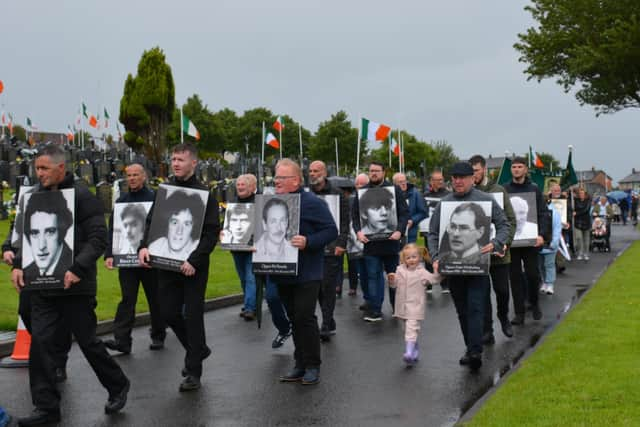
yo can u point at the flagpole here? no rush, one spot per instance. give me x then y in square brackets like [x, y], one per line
[358, 150]
[81, 125]
[264, 136]
[280, 135]
[181, 127]
[389, 150]
[300, 136]
[337, 164]
[261, 166]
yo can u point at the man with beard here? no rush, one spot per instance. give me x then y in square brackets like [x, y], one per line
[469, 292]
[500, 259]
[380, 255]
[333, 252]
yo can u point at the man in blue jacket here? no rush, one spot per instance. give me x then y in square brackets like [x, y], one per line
[415, 202]
[299, 293]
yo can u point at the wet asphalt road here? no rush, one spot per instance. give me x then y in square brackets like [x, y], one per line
[363, 379]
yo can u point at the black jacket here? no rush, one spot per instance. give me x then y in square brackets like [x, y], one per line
[145, 194]
[343, 227]
[199, 258]
[89, 239]
[383, 247]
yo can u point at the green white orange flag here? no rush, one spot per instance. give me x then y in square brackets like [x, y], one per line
[93, 121]
[371, 131]
[30, 124]
[189, 128]
[1, 86]
[395, 147]
[278, 124]
[69, 134]
[106, 119]
[535, 160]
[272, 141]
[84, 111]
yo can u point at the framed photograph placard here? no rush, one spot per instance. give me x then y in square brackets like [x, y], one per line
[16, 233]
[277, 221]
[378, 217]
[525, 209]
[430, 204]
[239, 226]
[561, 207]
[129, 220]
[47, 238]
[464, 229]
[176, 225]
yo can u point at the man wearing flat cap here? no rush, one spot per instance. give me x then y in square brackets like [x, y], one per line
[469, 291]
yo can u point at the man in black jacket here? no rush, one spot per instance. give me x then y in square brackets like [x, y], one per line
[130, 278]
[527, 256]
[333, 252]
[74, 305]
[185, 290]
[381, 255]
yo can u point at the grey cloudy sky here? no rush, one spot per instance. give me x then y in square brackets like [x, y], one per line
[440, 70]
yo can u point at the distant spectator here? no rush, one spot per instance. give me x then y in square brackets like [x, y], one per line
[582, 224]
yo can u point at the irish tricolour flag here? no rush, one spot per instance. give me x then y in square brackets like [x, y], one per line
[271, 141]
[189, 128]
[371, 131]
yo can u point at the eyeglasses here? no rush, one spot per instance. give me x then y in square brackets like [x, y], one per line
[459, 228]
[282, 178]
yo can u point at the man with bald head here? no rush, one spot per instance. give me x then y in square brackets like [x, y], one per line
[133, 221]
[333, 252]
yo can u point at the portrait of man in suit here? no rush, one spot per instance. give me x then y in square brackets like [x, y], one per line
[466, 232]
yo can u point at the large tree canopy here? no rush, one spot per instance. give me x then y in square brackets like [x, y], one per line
[592, 44]
[323, 148]
[147, 105]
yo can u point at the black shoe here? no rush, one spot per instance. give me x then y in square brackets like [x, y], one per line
[190, 383]
[488, 338]
[311, 376]
[364, 306]
[518, 320]
[507, 330]
[325, 335]
[537, 314]
[39, 417]
[206, 354]
[118, 346]
[464, 360]
[279, 340]
[156, 344]
[475, 361]
[373, 316]
[61, 375]
[117, 402]
[249, 316]
[293, 375]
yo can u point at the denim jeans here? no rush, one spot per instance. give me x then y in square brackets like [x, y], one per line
[376, 267]
[278, 313]
[242, 261]
[548, 267]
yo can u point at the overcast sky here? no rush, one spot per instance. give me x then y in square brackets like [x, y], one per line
[439, 69]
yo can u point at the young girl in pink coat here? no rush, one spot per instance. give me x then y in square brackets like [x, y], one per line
[410, 281]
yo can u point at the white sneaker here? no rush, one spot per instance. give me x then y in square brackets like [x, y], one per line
[586, 257]
[580, 257]
[543, 288]
[549, 289]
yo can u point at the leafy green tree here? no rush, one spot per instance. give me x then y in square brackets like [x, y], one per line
[19, 132]
[148, 105]
[591, 44]
[444, 157]
[323, 143]
[418, 155]
[250, 130]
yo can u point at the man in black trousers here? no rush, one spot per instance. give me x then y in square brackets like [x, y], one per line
[181, 294]
[133, 220]
[72, 306]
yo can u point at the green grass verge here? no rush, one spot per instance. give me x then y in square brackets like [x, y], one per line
[587, 371]
[223, 280]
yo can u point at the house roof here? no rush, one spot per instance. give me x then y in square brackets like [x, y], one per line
[633, 177]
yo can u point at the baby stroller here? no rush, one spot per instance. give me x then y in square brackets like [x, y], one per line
[600, 235]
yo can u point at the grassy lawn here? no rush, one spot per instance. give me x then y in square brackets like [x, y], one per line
[587, 371]
[222, 281]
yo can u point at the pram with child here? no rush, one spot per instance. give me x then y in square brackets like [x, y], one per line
[600, 234]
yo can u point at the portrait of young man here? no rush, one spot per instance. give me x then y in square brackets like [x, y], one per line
[377, 212]
[273, 245]
[129, 221]
[238, 226]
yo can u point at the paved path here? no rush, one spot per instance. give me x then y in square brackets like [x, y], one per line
[364, 381]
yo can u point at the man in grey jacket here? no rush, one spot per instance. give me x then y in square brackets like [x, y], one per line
[469, 292]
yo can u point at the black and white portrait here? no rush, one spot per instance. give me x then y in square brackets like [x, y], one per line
[333, 203]
[16, 233]
[464, 230]
[525, 209]
[277, 221]
[355, 248]
[129, 221]
[499, 198]
[176, 225]
[378, 218]
[47, 238]
[561, 207]
[239, 225]
[430, 204]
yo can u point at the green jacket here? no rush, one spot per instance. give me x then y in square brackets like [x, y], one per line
[511, 217]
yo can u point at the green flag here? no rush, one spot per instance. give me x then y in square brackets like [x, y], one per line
[537, 178]
[84, 111]
[505, 172]
[569, 177]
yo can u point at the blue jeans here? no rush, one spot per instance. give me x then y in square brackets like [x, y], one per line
[278, 313]
[242, 261]
[469, 294]
[548, 267]
[376, 267]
